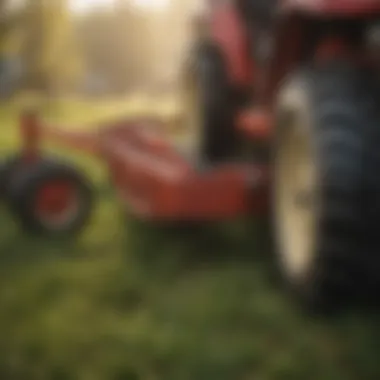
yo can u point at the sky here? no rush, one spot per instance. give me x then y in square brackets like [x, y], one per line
[82, 5]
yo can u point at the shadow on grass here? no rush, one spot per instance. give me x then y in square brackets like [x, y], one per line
[241, 240]
[18, 248]
[238, 259]
[175, 249]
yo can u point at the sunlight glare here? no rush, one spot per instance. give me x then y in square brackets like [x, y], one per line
[152, 4]
[83, 5]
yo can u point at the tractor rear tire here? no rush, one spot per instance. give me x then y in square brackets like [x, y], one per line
[209, 105]
[50, 198]
[319, 159]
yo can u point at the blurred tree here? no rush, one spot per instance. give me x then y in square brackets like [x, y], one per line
[114, 45]
[6, 21]
[117, 49]
[133, 29]
[10, 27]
[94, 31]
[50, 52]
[10, 24]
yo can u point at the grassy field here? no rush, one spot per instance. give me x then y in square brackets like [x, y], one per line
[126, 301]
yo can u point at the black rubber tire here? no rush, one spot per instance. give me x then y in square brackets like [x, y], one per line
[7, 168]
[219, 137]
[370, 83]
[25, 185]
[340, 125]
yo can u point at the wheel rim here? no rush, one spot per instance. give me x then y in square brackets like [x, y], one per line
[57, 204]
[296, 201]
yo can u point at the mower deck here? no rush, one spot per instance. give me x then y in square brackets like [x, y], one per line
[159, 180]
[156, 177]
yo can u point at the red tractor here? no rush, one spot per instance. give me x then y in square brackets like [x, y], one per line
[294, 84]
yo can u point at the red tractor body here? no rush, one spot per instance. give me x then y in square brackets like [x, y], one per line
[230, 34]
[292, 78]
[140, 158]
[295, 27]
[150, 174]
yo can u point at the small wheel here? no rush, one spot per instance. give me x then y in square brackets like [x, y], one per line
[50, 198]
[7, 168]
[208, 106]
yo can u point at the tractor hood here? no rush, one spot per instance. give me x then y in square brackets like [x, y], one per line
[344, 8]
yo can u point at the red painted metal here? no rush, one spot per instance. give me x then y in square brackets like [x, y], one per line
[331, 48]
[256, 124]
[229, 33]
[153, 178]
[32, 131]
[84, 141]
[340, 8]
[56, 201]
[156, 181]
[291, 43]
[159, 183]
[31, 134]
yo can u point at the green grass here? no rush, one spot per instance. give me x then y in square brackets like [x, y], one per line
[133, 301]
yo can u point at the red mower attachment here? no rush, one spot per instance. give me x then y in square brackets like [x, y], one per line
[49, 197]
[160, 182]
[46, 195]
[152, 177]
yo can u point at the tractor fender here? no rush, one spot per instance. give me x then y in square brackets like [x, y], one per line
[226, 30]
